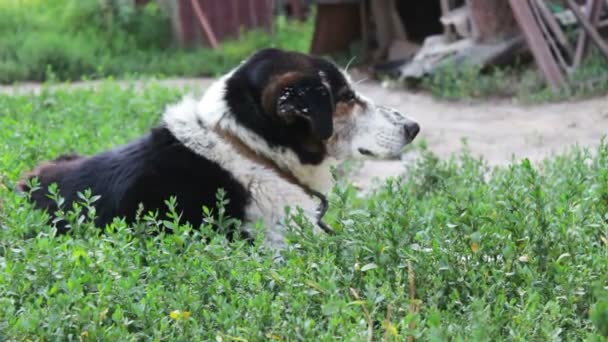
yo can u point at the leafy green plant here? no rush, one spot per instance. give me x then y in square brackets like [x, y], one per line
[457, 82]
[590, 79]
[599, 316]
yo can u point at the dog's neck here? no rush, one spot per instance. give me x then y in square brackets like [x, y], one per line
[213, 110]
[315, 177]
[220, 145]
[246, 152]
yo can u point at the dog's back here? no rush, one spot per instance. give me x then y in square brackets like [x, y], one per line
[148, 171]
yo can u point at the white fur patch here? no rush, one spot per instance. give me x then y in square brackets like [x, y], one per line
[212, 107]
[269, 192]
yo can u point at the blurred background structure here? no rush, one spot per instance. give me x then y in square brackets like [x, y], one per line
[412, 39]
[438, 44]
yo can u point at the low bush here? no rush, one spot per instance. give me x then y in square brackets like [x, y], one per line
[454, 250]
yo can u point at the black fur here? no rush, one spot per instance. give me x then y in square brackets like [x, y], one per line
[310, 99]
[244, 92]
[149, 171]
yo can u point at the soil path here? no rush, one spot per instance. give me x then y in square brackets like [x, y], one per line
[497, 130]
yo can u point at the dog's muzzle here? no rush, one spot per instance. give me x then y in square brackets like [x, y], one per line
[410, 127]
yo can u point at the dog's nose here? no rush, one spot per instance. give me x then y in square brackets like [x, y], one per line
[411, 130]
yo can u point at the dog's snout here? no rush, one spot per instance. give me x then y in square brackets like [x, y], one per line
[411, 130]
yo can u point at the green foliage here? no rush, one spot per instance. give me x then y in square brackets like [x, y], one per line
[93, 38]
[453, 251]
[599, 316]
[590, 79]
[453, 82]
[456, 82]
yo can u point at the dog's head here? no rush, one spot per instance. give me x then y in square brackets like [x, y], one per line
[308, 105]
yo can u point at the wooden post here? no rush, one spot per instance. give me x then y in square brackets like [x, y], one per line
[296, 9]
[202, 18]
[388, 24]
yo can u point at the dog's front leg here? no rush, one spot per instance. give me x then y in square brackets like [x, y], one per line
[268, 204]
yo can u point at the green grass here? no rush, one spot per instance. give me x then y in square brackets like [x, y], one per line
[75, 39]
[453, 251]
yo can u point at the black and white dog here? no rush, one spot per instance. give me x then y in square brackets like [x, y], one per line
[267, 133]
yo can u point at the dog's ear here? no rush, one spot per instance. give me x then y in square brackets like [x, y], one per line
[308, 98]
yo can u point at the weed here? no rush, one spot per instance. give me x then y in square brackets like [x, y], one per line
[590, 79]
[456, 82]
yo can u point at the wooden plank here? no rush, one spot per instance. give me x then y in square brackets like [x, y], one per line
[336, 26]
[363, 17]
[187, 35]
[554, 27]
[296, 9]
[234, 9]
[381, 13]
[553, 45]
[542, 54]
[252, 13]
[204, 24]
[588, 26]
[593, 11]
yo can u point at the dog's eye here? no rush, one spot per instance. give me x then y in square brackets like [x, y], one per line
[347, 96]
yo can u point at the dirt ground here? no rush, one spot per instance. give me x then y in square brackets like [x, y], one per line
[497, 130]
